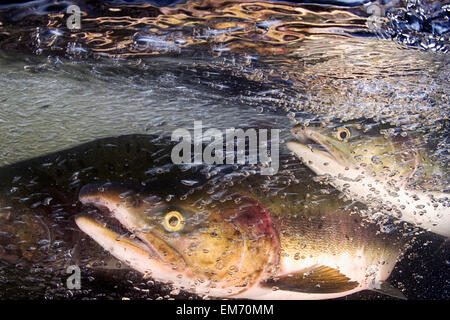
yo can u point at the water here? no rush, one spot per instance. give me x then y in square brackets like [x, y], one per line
[64, 105]
[143, 67]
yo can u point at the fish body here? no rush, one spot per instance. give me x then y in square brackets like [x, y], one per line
[242, 247]
[393, 175]
[211, 230]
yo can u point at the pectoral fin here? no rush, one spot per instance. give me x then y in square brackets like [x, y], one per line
[321, 279]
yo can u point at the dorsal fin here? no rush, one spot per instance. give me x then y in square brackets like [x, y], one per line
[321, 279]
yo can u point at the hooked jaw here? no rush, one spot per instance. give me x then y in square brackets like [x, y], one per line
[130, 251]
[317, 153]
[142, 252]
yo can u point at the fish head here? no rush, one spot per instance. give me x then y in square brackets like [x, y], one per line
[343, 150]
[210, 249]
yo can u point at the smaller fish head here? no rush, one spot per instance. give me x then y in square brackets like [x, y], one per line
[336, 149]
[330, 145]
[218, 249]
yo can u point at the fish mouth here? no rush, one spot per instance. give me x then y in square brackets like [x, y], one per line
[310, 141]
[142, 250]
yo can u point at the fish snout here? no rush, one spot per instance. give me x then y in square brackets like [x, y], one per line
[298, 130]
[95, 193]
[303, 135]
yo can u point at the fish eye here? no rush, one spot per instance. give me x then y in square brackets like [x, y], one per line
[173, 221]
[343, 133]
